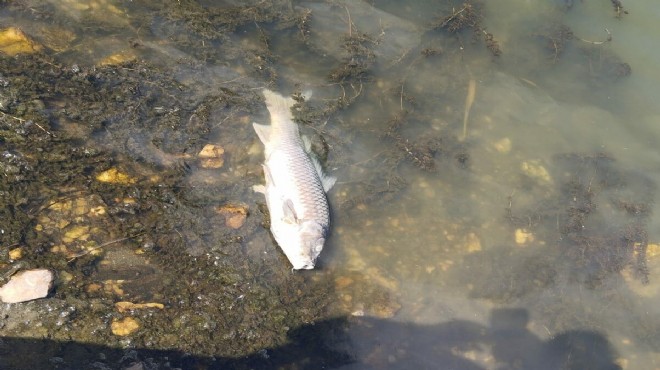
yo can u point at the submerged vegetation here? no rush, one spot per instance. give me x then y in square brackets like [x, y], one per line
[598, 217]
[468, 16]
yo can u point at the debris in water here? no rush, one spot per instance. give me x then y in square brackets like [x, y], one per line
[469, 100]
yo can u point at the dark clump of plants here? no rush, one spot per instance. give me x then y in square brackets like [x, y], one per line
[357, 61]
[468, 17]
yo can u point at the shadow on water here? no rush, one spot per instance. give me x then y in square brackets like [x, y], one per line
[350, 343]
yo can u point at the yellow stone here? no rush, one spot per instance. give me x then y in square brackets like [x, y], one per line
[522, 236]
[117, 59]
[652, 250]
[113, 286]
[13, 41]
[124, 326]
[235, 215]
[503, 146]
[61, 206]
[75, 233]
[473, 244]
[535, 170]
[16, 253]
[93, 288]
[97, 211]
[211, 156]
[113, 176]
[59, 249]
[127, 306]
[342, 282]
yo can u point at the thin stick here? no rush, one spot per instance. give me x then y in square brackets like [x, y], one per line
[102, 246]
[469, 99]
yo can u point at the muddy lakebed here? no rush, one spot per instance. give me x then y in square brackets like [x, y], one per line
[495, 205]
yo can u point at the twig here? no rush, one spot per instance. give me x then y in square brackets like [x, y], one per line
[609, 38]
[21, 120]
[102, 246]
[469, 99]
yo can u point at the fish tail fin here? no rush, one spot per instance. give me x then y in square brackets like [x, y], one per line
[278, 105]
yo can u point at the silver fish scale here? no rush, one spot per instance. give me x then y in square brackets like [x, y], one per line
[308, 193]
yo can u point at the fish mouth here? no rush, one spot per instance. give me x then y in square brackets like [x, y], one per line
[305, 266]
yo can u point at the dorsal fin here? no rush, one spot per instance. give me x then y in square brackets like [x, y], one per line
[327, 181]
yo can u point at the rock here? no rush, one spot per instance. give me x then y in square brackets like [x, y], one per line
[535, 170]
[503, 145]
[124, 326]
[211, 156]
[13, 41]
[127, 306]
[235, 215]
[113, 176]
[472, 243]
[26, 286]
[16, 253]
[522, 237]
[117, 59]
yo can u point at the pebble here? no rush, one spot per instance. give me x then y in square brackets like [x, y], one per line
[125, 326]
[26, 286]
[113, 176]
[235, 215]
[16, 253]
[211, 156]
[503, 146]
[535, 170]
[127, 306]
[522, 237]
[117, 59]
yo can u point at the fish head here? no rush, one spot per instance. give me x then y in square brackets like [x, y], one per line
[304, 247]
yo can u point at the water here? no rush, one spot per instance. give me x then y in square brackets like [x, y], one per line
[517, 246]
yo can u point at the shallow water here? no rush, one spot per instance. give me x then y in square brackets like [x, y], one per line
[517, 245]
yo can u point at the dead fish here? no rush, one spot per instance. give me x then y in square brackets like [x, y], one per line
[295, 186]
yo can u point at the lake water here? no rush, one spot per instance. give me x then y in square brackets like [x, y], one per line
[496, 201]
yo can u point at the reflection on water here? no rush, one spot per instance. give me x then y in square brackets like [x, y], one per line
[493, 211]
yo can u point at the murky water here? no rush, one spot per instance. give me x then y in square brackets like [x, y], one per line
[496, 201]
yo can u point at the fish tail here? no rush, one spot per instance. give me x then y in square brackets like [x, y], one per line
[278, 106]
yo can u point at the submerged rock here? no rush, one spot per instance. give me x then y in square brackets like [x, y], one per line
[124, 326]
[211, 156]
[13, 41]
[26, 286]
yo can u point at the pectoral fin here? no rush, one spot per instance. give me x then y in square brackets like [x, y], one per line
[289, 212]
[268, 176]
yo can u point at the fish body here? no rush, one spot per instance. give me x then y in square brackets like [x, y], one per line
[295, 186]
